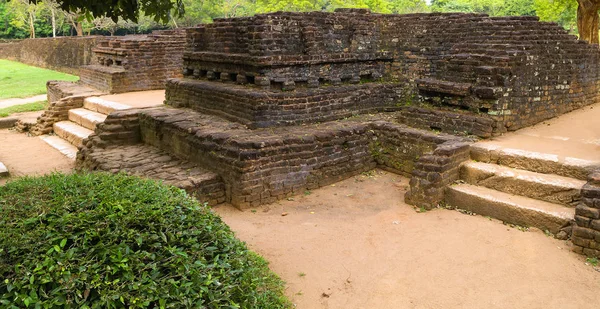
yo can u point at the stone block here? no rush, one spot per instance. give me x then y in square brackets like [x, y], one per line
[3, 170]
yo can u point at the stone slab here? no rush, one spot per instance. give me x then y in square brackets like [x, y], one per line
[86, 118]
[547, 187]
[3, 170]
[71, 132]
[546, 163]
[510, 208]
[61, 145]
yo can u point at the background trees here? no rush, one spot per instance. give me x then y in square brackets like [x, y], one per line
[43, 18]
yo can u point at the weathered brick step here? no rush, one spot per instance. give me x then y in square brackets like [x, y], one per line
[150, 162]
[86, 118]
[71, 132]
[102, 106]
[510, 208]
[533, 161]
[546, 187]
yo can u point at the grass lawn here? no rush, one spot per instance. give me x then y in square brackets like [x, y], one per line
[29, 107]
[19, 80]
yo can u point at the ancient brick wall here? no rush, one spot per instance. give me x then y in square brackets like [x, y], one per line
[65, 54]
[397, 148]
[586, 232]
[136, 62]
[263, 165]
[466, 73]
[260, 109]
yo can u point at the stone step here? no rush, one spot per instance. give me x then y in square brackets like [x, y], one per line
[510, 208]
[71, 132]
[102, 106]
[150, 162]
[61, 145]
[546, 187]
[533, 161]
[86, 118]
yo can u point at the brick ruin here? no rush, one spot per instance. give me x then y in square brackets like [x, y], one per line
[117, 65]
[136, 62]
[586, 233]
[272, 105]
[457, 73]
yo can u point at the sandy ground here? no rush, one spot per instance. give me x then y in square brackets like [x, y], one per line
[575, 135]
[138, 99]
[24, 155]
[356, 244]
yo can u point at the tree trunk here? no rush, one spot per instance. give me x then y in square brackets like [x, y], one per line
[31, 26]
[79, 28]
[587, 20]
[53, 23]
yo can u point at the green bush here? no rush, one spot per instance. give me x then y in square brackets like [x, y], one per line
[114, 241]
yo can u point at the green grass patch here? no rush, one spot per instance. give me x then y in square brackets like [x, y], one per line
[22, 108]
[19, 80]
[115, 241]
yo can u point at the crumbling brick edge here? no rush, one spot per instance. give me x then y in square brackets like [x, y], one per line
[57, 111]
[586, 230]
[434, 171]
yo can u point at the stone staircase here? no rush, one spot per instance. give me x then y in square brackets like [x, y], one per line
[521, 187]
[82, 122]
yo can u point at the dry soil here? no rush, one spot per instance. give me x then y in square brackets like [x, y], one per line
[25, 155]
[356, 244]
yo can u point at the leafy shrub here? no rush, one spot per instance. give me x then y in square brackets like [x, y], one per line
[114, 241]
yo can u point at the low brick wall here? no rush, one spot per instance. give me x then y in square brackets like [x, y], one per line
[434, 171]
[586, 232]
[119, 128]
[65, 54]
[398, 148]
[264, 165]
[452, 122]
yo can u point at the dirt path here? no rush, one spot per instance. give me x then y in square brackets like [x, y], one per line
[575, 134]
[357, 245]
[18, 101]
[24, 155]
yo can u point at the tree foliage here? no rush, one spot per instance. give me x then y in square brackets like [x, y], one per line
[70, 17]
[564, 12]
[126, 9]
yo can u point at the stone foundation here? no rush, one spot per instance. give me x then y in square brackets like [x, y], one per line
[263, 165]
